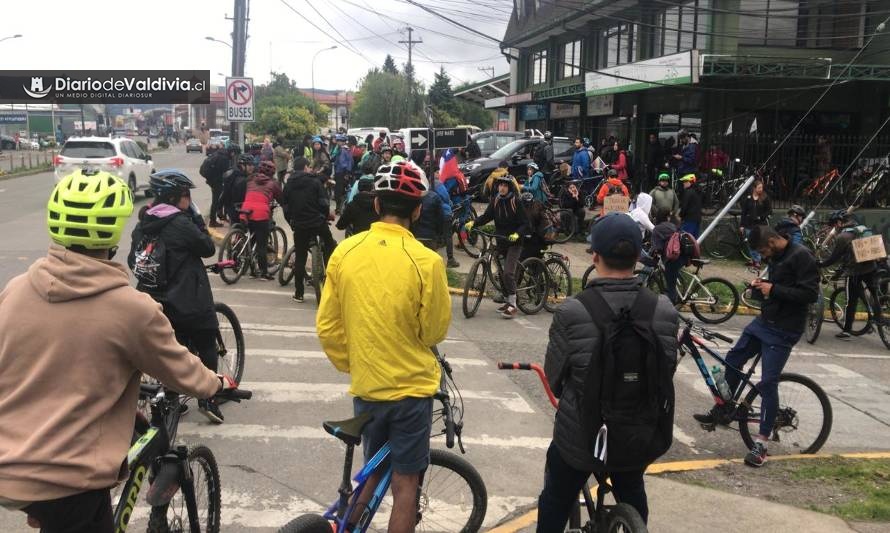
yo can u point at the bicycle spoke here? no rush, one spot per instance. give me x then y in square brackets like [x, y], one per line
[798, 422]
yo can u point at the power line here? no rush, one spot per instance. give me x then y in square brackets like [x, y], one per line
[323, 31]
[317, 12]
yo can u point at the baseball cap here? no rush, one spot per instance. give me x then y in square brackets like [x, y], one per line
[612, 229]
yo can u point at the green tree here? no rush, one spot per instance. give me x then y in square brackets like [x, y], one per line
[389, 65]
[285, 122]
[441, 96]
[385, 99]
[281, 91]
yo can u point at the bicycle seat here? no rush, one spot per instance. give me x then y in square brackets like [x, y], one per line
[349, 431]
[700, 262]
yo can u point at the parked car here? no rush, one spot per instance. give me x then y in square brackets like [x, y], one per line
[518, 154]
[119, 156]
[490, 141]
[193, 145]
[7, 142]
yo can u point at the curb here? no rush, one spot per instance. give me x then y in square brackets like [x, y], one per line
[29, 172]
[529, 518]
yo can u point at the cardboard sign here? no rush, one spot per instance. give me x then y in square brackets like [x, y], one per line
[869, 248]
[616, 202]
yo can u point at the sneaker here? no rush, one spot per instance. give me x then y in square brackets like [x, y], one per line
[716, 415]
[757, 456]
[209, 409]
[843, 335]
[499, 299]
[452, 263]
[502, 308]
[298, 298]
[509, 312]
[267, 277]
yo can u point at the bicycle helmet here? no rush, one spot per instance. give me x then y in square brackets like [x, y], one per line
[398, 142]
[527, 198]
[245, 159]
[797, 210]
[533, 165]
[267, 168]
[664, 176]
[88, 208]
[688, 177]
[548, 135]
[402, 178]
[168, 185]
[838, 216]
[397, 159]
[340, 137]
[317, 139]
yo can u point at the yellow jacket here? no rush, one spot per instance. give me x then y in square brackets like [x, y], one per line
[384, 303]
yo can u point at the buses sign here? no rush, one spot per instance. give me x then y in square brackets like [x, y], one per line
[239, 99]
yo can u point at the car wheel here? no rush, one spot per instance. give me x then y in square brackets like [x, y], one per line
[131, 182]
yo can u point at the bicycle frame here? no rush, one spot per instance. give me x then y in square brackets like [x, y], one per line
[692, 344]
[342, 510]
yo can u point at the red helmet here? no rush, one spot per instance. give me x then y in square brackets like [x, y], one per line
[267, 168]
[404, 178]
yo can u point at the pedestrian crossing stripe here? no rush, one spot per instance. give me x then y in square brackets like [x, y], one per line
[282, 355]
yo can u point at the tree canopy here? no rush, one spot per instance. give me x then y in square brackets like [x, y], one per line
[282, 110]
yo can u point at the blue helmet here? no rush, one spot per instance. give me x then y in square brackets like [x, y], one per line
[317, 139]
[340, 137]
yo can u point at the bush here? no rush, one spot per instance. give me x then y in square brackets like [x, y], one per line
[163, 145]
[142, 145]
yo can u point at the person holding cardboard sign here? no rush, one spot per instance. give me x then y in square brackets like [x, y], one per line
[860, 271]
[613, 194]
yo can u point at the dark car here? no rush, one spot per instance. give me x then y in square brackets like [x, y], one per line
[518, 154]
[7, 142]
[490, 141]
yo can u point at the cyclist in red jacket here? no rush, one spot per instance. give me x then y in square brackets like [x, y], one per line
[262, 189]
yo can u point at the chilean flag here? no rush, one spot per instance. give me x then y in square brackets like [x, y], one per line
[448, 169]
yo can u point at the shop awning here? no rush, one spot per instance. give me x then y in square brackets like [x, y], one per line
[483, 90]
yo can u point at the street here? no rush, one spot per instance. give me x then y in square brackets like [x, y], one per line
[276, 461]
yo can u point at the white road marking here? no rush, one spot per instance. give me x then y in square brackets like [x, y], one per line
[255, 291]
[525, 323]
[281, 330]
[839, 371]
[684, 438]
[286, 356]
[266, 308]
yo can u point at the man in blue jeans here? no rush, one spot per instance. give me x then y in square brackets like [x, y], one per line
[793, 284]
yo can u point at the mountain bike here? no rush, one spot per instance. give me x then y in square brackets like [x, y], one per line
[315, 269]
[531, 279]
[563, 220]
[559, 279]
[804, 418]
[727, 239]
[229, 337]
[876, 305]
[461, 214]
[451, 495]
[601, 517]
[184, 487]
[239, 245]
[870, 189]
[711, 300]
[811, 192]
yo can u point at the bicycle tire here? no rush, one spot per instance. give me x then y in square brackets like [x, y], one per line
[559, 282]
[585, 279]
[748, 300]
[531, 285]
[475, 283]
[713, 305]
[624, 518]
[318, 273]
[654, 280]
[286, 272]
[786, 417]
[429, 494]
[838, 306]
[472, 243]
[815, 317]
[308, 523]
[276, 248]
[567, 225]
[723, 244]
[233, 249]
[495, 273]
[232, 366]
[158, 521]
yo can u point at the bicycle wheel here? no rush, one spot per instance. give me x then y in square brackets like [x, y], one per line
[531, 285]
[714, 300]
[567, 225]
[724, 243]
[559, 282]
[474, 289]
[838, 305]
[275, 249]
[234, 248]
[803, 420]
[286, 272]
[452, 497]
[585, 279]
[624, 518]
[815, 316]
[308, 523]
[471, 242]
[748, 299]
[883, 324]
[495, 274]
[173, 517]
[318, 273]
[229, 343]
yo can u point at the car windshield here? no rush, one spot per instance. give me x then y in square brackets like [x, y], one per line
[507, 150]
[88, 149]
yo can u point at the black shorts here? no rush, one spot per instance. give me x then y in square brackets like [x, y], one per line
[406, 425]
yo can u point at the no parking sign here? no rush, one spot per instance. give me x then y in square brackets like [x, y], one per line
[239, 99]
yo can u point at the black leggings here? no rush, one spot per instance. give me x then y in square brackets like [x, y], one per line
[260, 230]
[856, 286]
[202, 341]
[86, 512]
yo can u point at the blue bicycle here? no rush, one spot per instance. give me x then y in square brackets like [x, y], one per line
[451, 495]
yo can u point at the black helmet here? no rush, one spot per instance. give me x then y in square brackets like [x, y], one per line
[797, 210]
[527, 197]
[168, 186]
[548, 135]
[233, 149]
[838, 216]
[245, 159]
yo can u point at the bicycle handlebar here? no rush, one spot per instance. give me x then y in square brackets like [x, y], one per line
[235, 395]
[706, 334]
[541, 375]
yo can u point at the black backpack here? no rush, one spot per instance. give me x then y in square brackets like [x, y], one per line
[627, 405]
[150, 263]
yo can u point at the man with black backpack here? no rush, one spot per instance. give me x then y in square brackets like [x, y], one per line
[212, 170]
[610, 360]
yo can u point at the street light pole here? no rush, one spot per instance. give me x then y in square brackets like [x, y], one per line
[313, 69]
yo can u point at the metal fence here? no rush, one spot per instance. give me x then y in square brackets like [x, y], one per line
[12, 161]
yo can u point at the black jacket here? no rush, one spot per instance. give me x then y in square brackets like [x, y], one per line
[843, 253]
[218, 163]
[306, 203]
[234, 188]
[432, 222]
[359, 213]
[795, 279]
[187, 298]
[661, 234]
[573, 339]
[691, 205]
[755, 213]
[507, 214]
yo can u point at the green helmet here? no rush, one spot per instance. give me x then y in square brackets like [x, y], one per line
[88, 208]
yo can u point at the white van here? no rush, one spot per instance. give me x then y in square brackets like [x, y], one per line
[361, 133]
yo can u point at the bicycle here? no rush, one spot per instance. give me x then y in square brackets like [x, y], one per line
[467, 241]
[877, 302]
[531, 279]
[727, 239]
[563, 220]
[559, 279]
[315, 271]
[463, 512]
[812, 192]
[871, 191]
[601, 517]
[239, 245]
[714, 296]
[179, 477]
[799, 399]
[229, 335]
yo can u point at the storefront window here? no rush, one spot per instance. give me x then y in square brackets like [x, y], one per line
[768, 22]
[830, 24]
[570, 60]
[538, 67]
[682, 28]
[618, 45]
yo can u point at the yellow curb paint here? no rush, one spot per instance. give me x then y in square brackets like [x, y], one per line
[517, 523]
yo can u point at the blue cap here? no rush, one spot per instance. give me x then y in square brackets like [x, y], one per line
[612, 229]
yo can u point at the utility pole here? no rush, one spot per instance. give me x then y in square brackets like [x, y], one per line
[486, 70]
[411, 42]
[239, 49]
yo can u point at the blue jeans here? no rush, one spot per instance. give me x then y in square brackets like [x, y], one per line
[755, 256]
[775, 345]
[562, 483]
[693, 228]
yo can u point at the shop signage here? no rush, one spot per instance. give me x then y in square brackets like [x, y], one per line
[534, 112]
[674, 69]
[13, 118]
[558, 110]
[518, 98]
[559, 92]
[598, 106]
[496, 102]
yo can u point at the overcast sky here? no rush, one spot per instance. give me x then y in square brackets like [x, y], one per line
[170, 34]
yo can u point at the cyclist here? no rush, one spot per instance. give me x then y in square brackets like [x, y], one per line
[76, 339]
[386, 348]
[307, 209]
[447, 213]
[539, 226]
[544, 153]
[576, 338]
[435, 218]
[510, 221]
[281, 156]
[342, 169]
[359, 213]
[321, 160]
[235, 186]
[661, 234]
[612, 186]
[535, 183]
[664, 196]
[262, 189]
[860, 276]
[185, 293]
[690, 206]
[790, 225]
[213, 169]
[792, 285]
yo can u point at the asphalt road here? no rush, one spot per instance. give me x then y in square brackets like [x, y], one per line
[276, 462]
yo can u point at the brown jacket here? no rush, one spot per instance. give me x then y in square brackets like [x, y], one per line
[74, 338]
